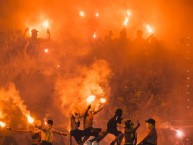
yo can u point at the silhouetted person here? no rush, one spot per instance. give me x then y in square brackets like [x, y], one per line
[112, 127]
[33, 43]
[88, 124]
[74, 131]
[131, 133]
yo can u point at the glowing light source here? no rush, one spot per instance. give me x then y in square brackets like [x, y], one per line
[149, 28]
[126, 21]
[90, 99]
[82, 13]
[45, 24]
[30, 119]
[2, 124]
[94, 35]
[58, 66]
[179, 133]
[46, 50]
[128, 13]
[103, 100]
[97, 14]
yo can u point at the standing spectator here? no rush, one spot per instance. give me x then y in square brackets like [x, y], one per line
[151, 136]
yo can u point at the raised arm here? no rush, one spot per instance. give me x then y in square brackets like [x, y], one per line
[24, 34]
[48, 32]
[95, 112]
[86, 112]
[138, 125]
[59, 132]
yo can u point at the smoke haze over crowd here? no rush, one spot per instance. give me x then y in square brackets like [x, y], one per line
[93, 51]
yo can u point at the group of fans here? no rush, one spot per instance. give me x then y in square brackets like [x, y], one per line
[44, 134]
[130, 134]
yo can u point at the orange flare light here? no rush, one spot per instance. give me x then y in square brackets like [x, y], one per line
[46, 24]
[46, 50]
[128, 13]
[97, 14]
[126, 21]
[90, 99]
[94, 35]
[179, 133]
[30, 119]
[82, 13]
[103, 100]
[149, 28]
[2, 124]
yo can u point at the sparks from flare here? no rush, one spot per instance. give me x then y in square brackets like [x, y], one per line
[90, 99]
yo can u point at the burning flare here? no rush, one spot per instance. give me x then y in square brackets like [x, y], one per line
[2, 124]
[46, 50]
[179, 133]
[94, 35]
[102, 100]
[149, 28]
[82, 13]
[90, 99]
[97, 14]
[30, 119]
[126, 21]
[45, 24]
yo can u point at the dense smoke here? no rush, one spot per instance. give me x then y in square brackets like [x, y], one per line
[94, 51]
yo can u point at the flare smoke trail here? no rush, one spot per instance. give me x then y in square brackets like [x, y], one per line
[73, 92]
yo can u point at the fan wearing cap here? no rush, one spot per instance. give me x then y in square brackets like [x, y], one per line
[130, 133]
[151, 137]
[33, 42]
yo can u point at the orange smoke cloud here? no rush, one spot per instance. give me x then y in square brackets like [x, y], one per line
[73, 92]
[11, 95]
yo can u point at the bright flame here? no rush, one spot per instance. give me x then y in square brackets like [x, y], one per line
[2, 124]
[128, 13]
[126, 21]
[149, 28]
[46, 50]
[103, 100]
[46, 24]
[82, 13]
[90, 99]
[97, 14]
[30, 119]
[179, 133]
[58, 66]
[94, 35]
